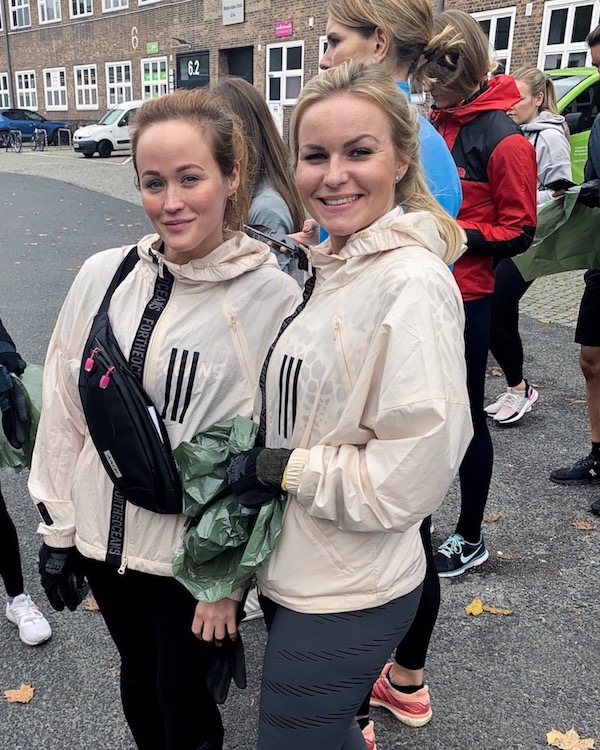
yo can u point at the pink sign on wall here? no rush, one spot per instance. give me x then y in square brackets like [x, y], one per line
[284, 28]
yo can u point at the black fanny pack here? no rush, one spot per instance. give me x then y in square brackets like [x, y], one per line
[127, 430]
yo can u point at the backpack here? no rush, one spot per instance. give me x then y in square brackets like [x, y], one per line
[126, 428]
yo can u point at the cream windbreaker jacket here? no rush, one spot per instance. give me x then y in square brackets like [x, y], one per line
[202, 367]
[368, 385]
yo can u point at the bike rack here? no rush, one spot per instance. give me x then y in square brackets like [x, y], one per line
[59, 137]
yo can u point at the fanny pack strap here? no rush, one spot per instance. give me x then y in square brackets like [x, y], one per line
[137, 361]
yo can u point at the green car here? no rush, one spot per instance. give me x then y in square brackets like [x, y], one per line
[578, 97]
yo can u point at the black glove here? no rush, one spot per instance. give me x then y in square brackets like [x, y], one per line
[589, 194]
[62, 577]
[256, 476]
[228, 663]
[11, 359]
[15, 412]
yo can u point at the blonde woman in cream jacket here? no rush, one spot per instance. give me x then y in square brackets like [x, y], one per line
[365, 412]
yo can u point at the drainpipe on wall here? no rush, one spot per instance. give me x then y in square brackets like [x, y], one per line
[11, 90]
[440, 5]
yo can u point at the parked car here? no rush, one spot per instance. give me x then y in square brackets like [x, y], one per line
[578, 97]
[110, 134]
[26, 120]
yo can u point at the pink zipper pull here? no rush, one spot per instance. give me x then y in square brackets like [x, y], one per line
[89, 362]
[105, 379]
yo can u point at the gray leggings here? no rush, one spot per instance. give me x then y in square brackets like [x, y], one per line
[318, 669]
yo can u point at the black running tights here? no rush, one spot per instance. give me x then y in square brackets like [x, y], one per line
[505, 340]
[10, 559]
[475, 472]
[318, 668]
[163, 665]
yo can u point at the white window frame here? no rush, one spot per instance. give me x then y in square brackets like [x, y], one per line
[154, 87]
[26, 94]
[20, 8]
[147, 2]
[47, 8]
[55, 94]
[1, 16]
[492, 16]
[284, 74]
[565, 48]
[4, 91]
[80, 8]
[86, 93]
[110, 6]
[123, 91]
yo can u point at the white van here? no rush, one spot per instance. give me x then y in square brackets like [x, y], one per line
[110, 134]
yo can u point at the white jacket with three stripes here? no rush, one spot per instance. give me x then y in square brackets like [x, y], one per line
[225, 308]
[368, 386]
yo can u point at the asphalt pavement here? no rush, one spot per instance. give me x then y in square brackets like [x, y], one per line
[498, 681]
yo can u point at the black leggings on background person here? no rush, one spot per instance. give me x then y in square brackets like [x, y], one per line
[475, 472]
[411, 652]
[505, 340]
[10, 558]
[146, 616]
[319, 667]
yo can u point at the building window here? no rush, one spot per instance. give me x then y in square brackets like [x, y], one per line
[118, 83]
[20, 14]
[285, 72]
[564, 29]
[80, 8]
[1, 18]
[55, 88]
[86, 87]
[155, 80]
[49, 11]
[26, 91]
[498, 26]
[110, 5]
[4, 90]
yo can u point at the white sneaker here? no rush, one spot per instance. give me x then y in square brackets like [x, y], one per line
[492, 409]
[252, 606]
[33, 626]
[516, 404]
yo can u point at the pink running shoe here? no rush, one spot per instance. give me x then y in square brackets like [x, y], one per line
[412, 709]
[369, 735]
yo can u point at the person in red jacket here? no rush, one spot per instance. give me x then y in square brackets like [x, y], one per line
[497, 168]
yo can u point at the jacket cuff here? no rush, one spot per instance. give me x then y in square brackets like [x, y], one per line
[54, 540]
[238, 594]
[295, 469]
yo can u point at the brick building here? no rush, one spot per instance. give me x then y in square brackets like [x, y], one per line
[73, 59]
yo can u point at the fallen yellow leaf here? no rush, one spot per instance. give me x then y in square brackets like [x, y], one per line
[497, 372]
[21, 695]
[90, 604]
[577, 401]
[475, 608]
[584, 525]
[492, 518]
[569, 741]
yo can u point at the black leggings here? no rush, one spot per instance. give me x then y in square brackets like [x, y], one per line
[163, 665]
[475, 472]
[10, 559]
[318, 668]
[505, 341]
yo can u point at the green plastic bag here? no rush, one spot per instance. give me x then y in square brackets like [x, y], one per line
[223, 543]
[30, 382]
[566, 238]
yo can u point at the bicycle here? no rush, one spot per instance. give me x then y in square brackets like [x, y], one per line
[14, 141]
[39, 139]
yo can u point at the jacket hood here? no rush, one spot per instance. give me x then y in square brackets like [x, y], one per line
[234, 257]
[544, 121]
[417, 228]
[500, 92]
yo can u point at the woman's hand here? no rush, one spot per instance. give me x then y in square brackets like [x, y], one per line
[213, 620]
[309, 234]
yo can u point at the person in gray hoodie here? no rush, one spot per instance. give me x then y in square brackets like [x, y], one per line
[541, 123]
